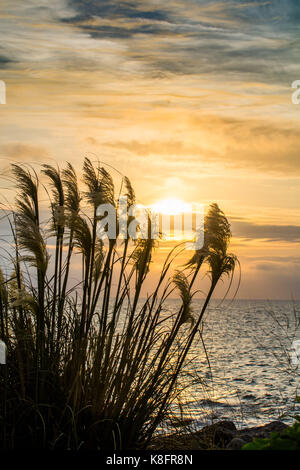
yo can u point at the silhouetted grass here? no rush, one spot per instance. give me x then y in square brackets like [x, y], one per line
[91, 365]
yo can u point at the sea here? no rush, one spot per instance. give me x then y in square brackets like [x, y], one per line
[244, 368]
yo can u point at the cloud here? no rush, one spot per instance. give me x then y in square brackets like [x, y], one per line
[237, 143]
[23, 152]
[270, 233]
[35, 37]
[267, 266]
[252, 143]
[251, 38]
[181, 37]
[4, 61]
[152, 147]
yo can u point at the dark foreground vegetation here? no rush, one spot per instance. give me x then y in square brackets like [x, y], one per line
[90, 363]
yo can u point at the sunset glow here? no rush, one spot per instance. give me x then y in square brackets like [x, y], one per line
[171, 207]
[192, 100]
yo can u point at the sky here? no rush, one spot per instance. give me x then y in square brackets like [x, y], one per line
[191, 99]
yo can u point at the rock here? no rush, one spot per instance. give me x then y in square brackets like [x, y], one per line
[236, 443]
[247, 437]
[261, 431]
[218, 434]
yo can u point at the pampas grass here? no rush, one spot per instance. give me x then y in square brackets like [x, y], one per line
[91, 364]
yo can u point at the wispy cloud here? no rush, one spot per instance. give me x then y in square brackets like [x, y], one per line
[180, 37]
[247, 143]
[23, 152]
[268, 232]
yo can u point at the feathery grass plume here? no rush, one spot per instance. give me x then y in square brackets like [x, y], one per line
[220, 264]
[142, 256]
[58, 196]
[218, 237]
[31, 241]
[82, 236]
[107, 188]
[72, 194]
[217, 228]
[99, 259]
[217, 234]
[56, 183]
[100, 184]
[25, 183]
[23, 299]
[25, 207]
[90, 177]
[27, 202]
[129, 193]
[183, 286]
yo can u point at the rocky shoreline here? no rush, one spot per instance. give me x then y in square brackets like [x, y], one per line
[220, 435]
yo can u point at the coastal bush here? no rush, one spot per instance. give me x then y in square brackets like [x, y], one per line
[289, 439]
[91, 363]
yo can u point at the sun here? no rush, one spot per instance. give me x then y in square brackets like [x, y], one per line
[170, 206]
